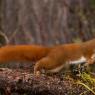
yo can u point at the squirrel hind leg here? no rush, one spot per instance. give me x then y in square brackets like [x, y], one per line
[44, 64]
[39, 66]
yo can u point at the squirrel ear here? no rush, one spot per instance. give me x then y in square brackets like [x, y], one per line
[3, 39]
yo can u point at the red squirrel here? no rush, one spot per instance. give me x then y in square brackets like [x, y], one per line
[51, 59]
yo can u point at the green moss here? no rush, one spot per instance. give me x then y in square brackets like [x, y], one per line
[88, 82]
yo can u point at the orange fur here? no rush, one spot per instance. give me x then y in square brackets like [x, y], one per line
[63, 54]
[51, 59]
[23, 53]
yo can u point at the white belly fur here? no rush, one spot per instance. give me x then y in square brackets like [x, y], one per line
[79, 61]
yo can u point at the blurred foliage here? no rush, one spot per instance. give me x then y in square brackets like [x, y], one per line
[77, 40]
[92, 3]
[47, 22]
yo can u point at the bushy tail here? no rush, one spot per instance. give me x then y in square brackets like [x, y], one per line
[23, 53]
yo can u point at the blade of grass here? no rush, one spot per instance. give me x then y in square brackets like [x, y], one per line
[86, 87]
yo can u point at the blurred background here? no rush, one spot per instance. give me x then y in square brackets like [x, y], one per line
[47, 22]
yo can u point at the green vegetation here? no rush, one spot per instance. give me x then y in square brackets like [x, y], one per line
[88, 82]
[92, 3]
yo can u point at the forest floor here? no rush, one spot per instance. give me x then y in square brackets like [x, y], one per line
[23, 82]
